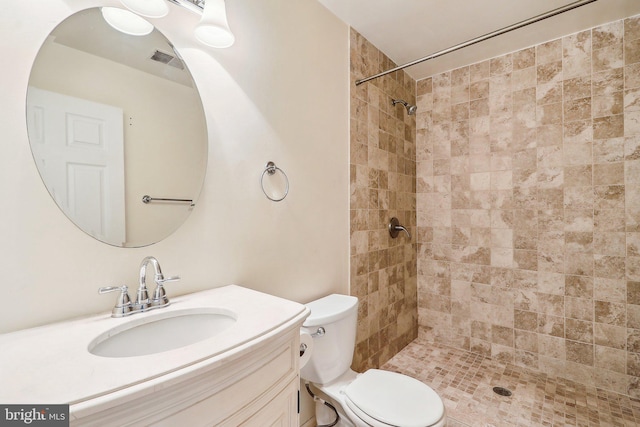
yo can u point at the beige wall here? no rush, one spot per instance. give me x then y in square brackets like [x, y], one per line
[529, 204]
[383, 146]
[281, 94]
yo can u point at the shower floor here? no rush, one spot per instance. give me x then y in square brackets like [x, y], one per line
[465, 380]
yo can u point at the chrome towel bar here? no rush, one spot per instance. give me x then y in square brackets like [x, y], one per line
[149, 199]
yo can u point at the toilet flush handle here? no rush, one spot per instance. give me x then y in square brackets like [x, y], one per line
[320, 332]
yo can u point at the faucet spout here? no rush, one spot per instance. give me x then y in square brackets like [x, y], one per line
[143, 270]
[143, 302]
[142, 296]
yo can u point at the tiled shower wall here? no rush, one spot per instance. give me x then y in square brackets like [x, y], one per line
[383, 185]
[528, 207]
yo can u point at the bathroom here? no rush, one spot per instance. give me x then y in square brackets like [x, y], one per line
[448, 283]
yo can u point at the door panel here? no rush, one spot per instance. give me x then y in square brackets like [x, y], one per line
[79, 150]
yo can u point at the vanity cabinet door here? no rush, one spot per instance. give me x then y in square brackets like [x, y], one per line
[282, 411]
[259, 390]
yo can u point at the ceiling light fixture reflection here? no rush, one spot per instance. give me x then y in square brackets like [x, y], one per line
[213, 29]
[126, 22]
[147, 8]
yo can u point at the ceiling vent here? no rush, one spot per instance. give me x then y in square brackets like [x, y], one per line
[167, 59]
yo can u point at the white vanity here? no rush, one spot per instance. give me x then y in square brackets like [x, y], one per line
[244, 371]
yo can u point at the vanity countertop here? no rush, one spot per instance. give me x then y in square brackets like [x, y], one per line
[52, 364]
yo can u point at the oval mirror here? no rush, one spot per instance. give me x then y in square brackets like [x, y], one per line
[113, 118]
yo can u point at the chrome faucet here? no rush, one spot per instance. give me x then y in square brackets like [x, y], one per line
[159, 296]
[124, 307]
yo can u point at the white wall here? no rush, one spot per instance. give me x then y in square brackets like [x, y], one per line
[280, 93]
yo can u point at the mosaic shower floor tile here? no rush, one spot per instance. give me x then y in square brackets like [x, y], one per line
[465, 381]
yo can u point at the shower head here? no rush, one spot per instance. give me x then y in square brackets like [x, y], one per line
[411, 109]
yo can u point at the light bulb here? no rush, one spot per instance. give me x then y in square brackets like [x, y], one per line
[213, 29]
[147, 8]
[126, 22]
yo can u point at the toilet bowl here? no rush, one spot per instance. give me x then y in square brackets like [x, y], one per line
[374, 398]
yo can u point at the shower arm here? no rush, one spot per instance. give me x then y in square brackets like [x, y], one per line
[487, 36]
[411, 109]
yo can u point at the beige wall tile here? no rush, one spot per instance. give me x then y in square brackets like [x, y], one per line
[609, 150]
[527, 174]
[632, 75]
[607, 105]
[633, 316]
[608, 82]
[549, 93]
[579, 352]
[608, 34]
[631, 123]
[608, 173]
[609, 127]
[384, 184]
[632, 28]
[549, 51]
[609, 243]
[631, 51]
[610, 336]
[576, 50]
[608, 57]
[524, 58]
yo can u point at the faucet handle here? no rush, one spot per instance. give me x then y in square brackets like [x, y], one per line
[159, 295]
[123, 303]
[395, 228]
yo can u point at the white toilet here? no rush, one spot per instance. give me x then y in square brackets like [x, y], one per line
[375, 398]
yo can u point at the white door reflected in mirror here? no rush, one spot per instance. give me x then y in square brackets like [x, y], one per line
[81, 160]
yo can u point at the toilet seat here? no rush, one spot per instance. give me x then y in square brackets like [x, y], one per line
[383, 398]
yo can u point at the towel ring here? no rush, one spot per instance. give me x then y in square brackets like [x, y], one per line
[271, 169]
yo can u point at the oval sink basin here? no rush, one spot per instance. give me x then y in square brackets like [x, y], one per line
[163, 332]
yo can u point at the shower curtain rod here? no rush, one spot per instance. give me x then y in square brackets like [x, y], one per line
[538, 18]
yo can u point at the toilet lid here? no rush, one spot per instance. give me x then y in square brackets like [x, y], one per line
[394, 399]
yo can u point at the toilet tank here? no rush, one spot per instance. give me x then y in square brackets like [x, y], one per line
[332, 352]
